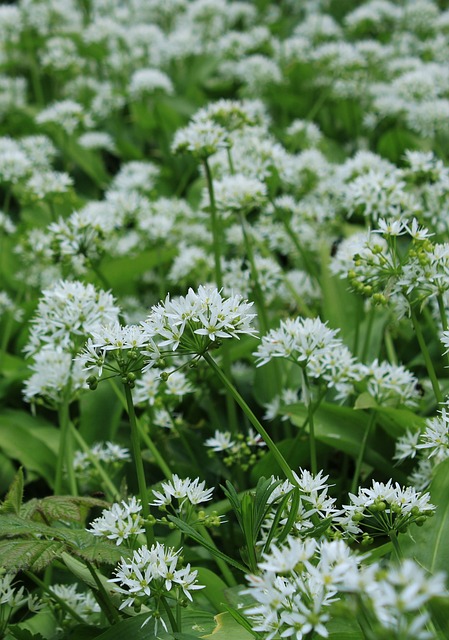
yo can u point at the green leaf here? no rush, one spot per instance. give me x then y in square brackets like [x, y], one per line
[397, 421]
[131, 628]
[365, 401]
[34, 555]
[215, 587]
[20, 439]
[228, 629]
[428, 544]
[41, 625]
[14, 497]
[190, 531]
[61, 508]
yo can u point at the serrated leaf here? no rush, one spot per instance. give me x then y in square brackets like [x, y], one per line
[62, 508]
[14, 497]
[33, 555]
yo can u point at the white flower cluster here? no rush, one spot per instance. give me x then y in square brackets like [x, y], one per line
[191, 324]
[152, 573]
[301, 580]
[120, 522]
[66, 313]
[108, 453]
[385, 509]
[182, 490]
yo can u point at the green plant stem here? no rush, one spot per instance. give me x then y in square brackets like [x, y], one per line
[257, 289]
[394, 541]
[389, 346]
[108, 484]
[442, 310]
[282, 463]
[65, 452]
[163, 466]
[427, 358]
[369, 330]
[138, 462]
[310, 412]
[216, 241]
[103, 597]
[62, 603]
[226, 572]
[362, 450]
[311, 268]
[171, 617]
[100, 275]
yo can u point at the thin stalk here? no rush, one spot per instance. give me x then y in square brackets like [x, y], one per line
[163, 466]
[103, 598]
[312, 441]
[226, 572]
[216, 240]
[368, 333]
[361, 455]
[100, 275]
[314, 409]
[171, 617]
[108, 484]
[397, 550]
[62, 603]
[311, 268]
[389, 346]
[258, 293]
[65, 453]
[138, 462]
[442, 310]
[427, 358]
[282, 463]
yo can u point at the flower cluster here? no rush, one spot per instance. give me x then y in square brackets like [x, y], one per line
[120, 522]
[151, 574]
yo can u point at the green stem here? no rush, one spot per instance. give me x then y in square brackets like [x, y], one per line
[282, 463]
[216, 241]
[310, 412]
[442, 310]
[138, 462]
[369, 329]
[389, 346]
[65, 453]
[108, 484]
[103, 597]
[226, 572]
[258, 293]
[397, 550]
[311, 268]
[215, 226]
[100, 275]
[427, 358]
[361, 455]
[170, 615]
[163, 466]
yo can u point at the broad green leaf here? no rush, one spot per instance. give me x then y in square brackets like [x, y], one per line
[215, 587]
[132, 628]
[14, 496]
[295, 451]
[121, 270]
[82, 573]
[365, 401]
[20, 440]
[101, 402]
[343, 428]
[428, 544]
[41, 625]
[228, 629]
[397, 421]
